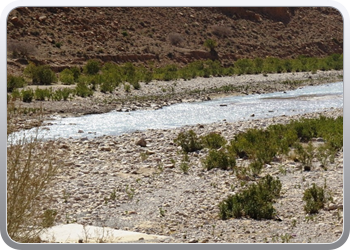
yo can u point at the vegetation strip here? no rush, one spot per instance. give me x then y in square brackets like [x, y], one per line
[106, 78]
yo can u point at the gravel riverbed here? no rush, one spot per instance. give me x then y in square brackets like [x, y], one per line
[113, 181]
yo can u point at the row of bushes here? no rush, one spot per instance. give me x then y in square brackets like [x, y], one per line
[28, 95]
[260, 146]
[276, 65]
[110, 75]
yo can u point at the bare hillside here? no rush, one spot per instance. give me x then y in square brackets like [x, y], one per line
[69, 36]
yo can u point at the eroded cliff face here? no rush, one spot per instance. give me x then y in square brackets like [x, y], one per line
[65, 36]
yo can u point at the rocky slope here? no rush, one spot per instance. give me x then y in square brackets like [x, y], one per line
[63, 37]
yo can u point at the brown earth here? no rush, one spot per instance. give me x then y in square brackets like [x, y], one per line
[66, 36]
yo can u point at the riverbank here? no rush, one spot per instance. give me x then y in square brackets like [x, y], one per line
[134, 182]
[158, 94]
[113, 181]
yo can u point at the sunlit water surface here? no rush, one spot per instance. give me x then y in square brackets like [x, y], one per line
[304, 100]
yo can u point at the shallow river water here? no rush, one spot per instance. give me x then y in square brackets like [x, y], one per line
[303, 100]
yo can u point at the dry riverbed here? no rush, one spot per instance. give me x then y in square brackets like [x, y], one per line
[111, 181]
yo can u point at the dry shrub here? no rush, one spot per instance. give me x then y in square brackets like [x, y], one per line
[175, 38]
[31, 167]
[20, 48]
[221, 31]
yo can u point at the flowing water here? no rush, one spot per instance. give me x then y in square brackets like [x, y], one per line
[303, 100]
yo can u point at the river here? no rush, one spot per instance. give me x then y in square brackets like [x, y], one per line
[300, 101]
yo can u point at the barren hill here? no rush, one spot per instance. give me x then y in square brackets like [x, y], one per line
[68, 36]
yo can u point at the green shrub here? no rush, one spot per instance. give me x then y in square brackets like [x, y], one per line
[15, 94]
[62, 94]
[14, 82]
[128, 72]
[219, 159]
[41, 94]
[272, 65]
[83, 90]
[66, 92]
[167, 73]
[111, 74]
[213, 141]
[256, 167]
[284, 136]
[254, 202]
[58, 44]
[255, 144]
[107, 87]
[328, 128]
[41, 74]
[147, 77]
[306, 154]
[325, 153]
[210, 44]
[315, 199]
[261, 146]
[332, 131]
[244, 66]
[258, 65]
[27, 95]
[136, 85]
[92, 67]
[44, 75]
[188, 141]
[67, 76]
[76, 73]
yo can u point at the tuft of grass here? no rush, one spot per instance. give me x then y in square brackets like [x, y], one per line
[184, 167]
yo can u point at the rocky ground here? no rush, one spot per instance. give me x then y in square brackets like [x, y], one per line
[111, 181]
